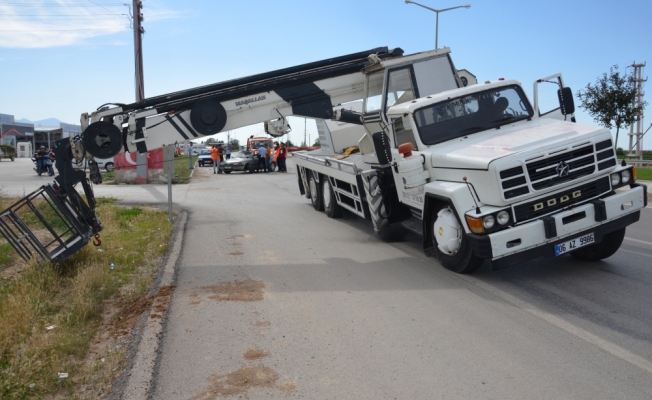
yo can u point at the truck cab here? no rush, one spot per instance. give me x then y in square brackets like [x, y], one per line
[495, 178]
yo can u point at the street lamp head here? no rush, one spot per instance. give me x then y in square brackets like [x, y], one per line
[465, 6]
[408, 1]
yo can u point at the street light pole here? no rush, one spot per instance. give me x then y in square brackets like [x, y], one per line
[437, 20]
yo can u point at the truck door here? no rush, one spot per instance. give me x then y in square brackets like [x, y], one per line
[548, 101]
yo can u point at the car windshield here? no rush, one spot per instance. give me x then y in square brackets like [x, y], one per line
[242, 154]
[205, 152]
[472, 113]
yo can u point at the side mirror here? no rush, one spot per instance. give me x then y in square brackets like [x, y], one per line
[566, 101]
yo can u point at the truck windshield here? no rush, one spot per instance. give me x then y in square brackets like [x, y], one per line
[472, 113]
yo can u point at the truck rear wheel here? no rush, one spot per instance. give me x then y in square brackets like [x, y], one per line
[331, 208]
[451, 244]
[608, 247]
[315, 193]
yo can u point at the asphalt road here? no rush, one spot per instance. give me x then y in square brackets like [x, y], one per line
[276, 300]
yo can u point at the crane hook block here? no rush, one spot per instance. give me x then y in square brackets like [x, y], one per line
[208, 116]
[102, 139]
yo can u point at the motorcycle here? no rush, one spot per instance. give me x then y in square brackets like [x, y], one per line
[45, 165]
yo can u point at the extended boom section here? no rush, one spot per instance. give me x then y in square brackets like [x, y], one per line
[308, 90]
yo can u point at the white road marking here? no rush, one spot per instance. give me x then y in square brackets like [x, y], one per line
[603, 344]
[635, 252]
[648, 207]
[638, 241]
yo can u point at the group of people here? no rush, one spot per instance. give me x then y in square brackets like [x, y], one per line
[266, 157]
[44, 161]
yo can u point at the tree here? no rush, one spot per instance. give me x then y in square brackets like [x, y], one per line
[289, 143]
[317, 142]
[234, 144]
[210, 140]
[611, 100]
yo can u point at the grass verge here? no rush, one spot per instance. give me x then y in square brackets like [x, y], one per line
[644, 173]
[182, 170]
[64, 318]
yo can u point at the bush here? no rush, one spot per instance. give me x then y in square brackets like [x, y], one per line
[7, 148]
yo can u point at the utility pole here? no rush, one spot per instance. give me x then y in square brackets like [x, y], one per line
[138, 49]
[137, 18]
[305, 123]
[638, 130]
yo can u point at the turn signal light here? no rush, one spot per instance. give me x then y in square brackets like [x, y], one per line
[633, 174]
[475, 224]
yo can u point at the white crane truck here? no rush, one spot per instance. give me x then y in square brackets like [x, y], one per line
[485, 174]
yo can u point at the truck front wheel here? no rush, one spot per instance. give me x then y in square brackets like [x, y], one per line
[315, 193]
[608, 247]
[451, 244]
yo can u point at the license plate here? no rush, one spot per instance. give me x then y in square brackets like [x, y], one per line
[573, 244]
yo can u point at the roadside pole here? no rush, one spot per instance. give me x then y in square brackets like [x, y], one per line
[190, 155]
[168, 167]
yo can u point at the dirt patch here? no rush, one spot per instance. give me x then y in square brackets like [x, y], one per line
[238, 382]
[287, 387]
[253, 354]
[128, 316]
[236, 253]
[239, 236]
[249, 290]
[261, 323]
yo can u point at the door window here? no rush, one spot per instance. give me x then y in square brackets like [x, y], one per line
[399, 88]
[374, 92]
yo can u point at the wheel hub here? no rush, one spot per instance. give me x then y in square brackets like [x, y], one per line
[447, 232]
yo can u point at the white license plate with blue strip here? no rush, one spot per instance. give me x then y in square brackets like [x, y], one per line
[574, 244]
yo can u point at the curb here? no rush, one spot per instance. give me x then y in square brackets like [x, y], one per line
[141, 373]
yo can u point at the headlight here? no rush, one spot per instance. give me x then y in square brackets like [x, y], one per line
[626, 176]
[488, 221]
[615, 179]
[503, 217]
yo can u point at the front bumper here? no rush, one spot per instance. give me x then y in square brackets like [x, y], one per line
[538, 238]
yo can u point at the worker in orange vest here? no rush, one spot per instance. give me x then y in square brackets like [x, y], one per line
[215, 157]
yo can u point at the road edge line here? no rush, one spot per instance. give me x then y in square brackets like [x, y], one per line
[560, 323]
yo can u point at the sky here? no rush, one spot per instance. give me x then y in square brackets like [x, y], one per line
[60, 58]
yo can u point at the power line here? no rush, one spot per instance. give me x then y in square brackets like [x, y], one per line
[103, 7]
[39, 5]
[62, 30]
[53, 16]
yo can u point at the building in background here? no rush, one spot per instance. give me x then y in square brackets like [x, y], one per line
[12, 132]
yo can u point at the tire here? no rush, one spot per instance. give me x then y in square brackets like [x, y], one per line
[273, 165]
[227, 172]
[608, 247]
[249, 168]
[315, 193]
[11, 158]
[331, 208]
[455, 253]
[109, 167]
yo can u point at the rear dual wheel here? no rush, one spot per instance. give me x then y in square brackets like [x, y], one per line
[315, 192]
[331, 208]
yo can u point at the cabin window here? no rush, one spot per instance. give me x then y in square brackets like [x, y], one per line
[399, 88]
